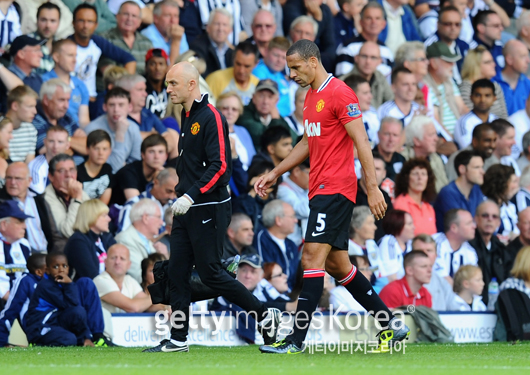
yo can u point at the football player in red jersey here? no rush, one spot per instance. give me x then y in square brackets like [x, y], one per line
[333, 125]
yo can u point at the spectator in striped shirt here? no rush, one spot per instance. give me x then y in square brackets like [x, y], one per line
[21, 103]
[48, 17]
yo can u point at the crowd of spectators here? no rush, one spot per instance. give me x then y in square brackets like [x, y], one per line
[89, 149]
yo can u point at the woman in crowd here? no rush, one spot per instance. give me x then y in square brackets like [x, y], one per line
[415, 188]
[273, 288]
[86, 249]
[6, 134]
[231, 106]
[479, 64]
[520, 279]
[500, 185]
[400, 229]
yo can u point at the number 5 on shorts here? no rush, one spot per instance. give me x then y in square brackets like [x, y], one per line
[321, 223]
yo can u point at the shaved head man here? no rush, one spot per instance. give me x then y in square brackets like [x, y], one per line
[203, 211]
[515, 85]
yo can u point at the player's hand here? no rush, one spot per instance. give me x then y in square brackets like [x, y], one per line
[376, 202]
[182, 205]
[264, 183]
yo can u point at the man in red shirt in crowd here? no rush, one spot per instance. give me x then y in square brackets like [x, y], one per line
[409, 290]
[333, 127]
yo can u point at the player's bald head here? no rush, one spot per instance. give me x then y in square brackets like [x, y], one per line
[185, 70]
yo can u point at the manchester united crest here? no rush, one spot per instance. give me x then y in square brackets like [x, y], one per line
[320, 105]
[195, 128]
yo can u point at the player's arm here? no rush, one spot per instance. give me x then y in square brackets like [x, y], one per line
[357, 133]
[299, 153]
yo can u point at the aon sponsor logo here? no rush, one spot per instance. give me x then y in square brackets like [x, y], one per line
[312, 129]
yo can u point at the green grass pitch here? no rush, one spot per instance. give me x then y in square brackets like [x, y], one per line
[425, 359]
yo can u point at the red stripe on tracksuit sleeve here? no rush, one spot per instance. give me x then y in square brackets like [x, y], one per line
[222, 150]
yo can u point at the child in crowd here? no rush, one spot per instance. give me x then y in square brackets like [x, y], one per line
[348, 20]
[96, 174]
[468, 285]
[482, 97]
[62, 312]
[21, 292]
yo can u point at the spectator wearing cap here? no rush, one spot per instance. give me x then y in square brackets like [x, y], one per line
[238, 78]
[14, 247]
[166, 32]
[488, 29]
[272, 242]
[64, 52]
[156, 65]
[213, 45]
[443, 91]
[261, 113]
[52, 110]
[513, 80]
[127, 37]
[91, 47]
[48, 19]
[449, 26]
[272, 66]
[26, 53]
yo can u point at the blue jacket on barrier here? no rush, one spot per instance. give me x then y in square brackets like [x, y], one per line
[270, 251]
[410, 26]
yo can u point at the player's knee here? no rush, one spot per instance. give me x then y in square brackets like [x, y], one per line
[77, 313]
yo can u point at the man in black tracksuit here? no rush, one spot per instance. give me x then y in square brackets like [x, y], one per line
[203, 209]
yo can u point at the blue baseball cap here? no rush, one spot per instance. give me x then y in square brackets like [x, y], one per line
[11, 208]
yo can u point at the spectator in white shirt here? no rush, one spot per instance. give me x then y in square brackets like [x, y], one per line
[521, 122]
[453, 248]
[505, 143]
[468, 288]
[56, 142]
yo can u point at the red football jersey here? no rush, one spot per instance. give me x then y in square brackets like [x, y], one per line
[326, 112]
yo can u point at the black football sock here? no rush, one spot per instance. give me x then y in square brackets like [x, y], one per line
[362, 291]
[307, 304]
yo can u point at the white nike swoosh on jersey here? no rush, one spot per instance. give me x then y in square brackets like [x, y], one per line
[205, 221]
[305, 108]
[317, 234]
